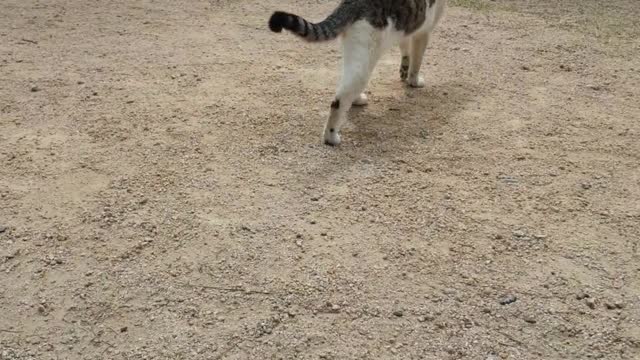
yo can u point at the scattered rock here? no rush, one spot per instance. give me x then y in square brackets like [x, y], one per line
[519, 233]
[398, 313]
[124, 329]
[530, 319]
[3, 229]
[508, 179]
[35, 88]
[586, 186]
[581, 295]
[508, 299]
[591, 303]
[613, 305]
[315, 198]
[525, 68]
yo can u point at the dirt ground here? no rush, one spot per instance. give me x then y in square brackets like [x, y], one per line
[164, 192]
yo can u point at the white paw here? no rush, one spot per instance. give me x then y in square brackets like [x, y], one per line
[331, 137]
[362, 100]
[416, 81]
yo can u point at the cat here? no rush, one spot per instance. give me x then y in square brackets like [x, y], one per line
[367, 28]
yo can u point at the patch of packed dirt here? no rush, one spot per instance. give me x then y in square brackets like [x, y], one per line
[165, 193]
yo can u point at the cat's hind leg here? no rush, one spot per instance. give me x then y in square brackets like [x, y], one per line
[404, 60]
[361, 50]
[419, 44]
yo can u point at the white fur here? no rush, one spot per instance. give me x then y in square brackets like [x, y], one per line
[362, 46]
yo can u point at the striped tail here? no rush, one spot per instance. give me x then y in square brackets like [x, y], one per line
[328, 29]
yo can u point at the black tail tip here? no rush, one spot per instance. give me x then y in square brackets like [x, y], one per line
[278, 21]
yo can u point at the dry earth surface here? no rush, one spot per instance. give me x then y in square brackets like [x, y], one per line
[165, 194]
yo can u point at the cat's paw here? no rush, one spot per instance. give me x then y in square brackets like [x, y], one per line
[416, 81]
[331, 137]
[361, 100]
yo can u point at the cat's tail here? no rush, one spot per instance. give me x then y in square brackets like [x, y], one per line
[325, 30]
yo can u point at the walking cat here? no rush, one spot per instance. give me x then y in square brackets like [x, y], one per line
[368, 28]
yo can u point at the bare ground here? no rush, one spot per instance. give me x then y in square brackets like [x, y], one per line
[165, 194]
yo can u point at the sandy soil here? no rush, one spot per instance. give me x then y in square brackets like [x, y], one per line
[165, 193]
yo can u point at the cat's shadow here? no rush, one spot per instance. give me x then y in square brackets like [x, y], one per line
[416, 115]
[391, 125]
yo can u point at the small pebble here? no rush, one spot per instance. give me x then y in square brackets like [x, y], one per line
[509, 299]
[530, 319]
[582, 295]
[398, 313]
[35, 89]
[614, 305]
[3, 229]
[591, 303]
[124, 329]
